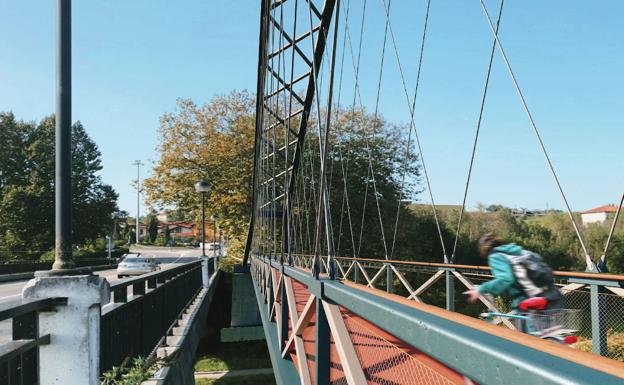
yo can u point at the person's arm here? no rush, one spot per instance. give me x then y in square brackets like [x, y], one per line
[503, 276]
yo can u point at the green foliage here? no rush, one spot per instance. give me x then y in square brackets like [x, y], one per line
[134, 374]
[213, 142]
[167, 234]
[551, 235]
[27, 186]
[227, 356]
[152, 228]
[261, 379]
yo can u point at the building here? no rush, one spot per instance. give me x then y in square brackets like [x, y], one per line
[177, 229]
[598, 214]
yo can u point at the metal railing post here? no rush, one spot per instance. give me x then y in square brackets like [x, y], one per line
[598, 321]
[356, 269]
[284, 327]
[450, 291]
[322, 345]
[389, 278]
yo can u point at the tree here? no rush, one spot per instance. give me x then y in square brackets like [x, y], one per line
[167, 234]
[213, 142]
[27, 186]
[152, 228]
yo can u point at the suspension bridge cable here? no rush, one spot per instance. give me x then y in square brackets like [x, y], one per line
[413, 126]
[476, 137]
[345, 194]
[409, 135]
[370, 172]
[323, 198]
[356, 68]
[603, 258]
[287, 126]
[588, 260]
[370, 161]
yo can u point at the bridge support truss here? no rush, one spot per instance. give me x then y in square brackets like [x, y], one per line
[293, 40]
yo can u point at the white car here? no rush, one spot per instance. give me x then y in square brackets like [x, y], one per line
[134, 264]
[213, 248]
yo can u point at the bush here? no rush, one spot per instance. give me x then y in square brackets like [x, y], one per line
[615, 344]
[139, 371]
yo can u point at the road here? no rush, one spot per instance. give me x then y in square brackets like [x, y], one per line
[169, 257]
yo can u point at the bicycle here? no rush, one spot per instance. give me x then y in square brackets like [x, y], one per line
[533, 318]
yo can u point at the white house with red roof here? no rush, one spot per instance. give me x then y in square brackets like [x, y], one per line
[598, 214]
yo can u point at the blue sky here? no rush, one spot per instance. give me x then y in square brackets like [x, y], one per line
[133, 59]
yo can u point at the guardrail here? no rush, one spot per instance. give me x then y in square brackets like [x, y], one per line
[15, 267]
[136, 323]
[349, 333]
[600, 296]
[19, 358]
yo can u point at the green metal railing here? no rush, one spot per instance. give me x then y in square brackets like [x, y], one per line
[600, 297]
[476, 350]
[143, 311]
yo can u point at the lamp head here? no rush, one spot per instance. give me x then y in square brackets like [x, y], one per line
[202, 186]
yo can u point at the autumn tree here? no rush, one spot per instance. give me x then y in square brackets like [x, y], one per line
[212, 142]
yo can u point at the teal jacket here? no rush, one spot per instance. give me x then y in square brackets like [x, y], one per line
[504, 281]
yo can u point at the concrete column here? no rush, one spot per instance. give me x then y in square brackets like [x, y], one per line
[205, 272]
[73, 355]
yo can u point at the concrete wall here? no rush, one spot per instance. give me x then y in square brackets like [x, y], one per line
[244, 307]
[593, 218]
[183, 344]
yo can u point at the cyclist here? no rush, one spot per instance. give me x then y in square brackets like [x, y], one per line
[517, 272]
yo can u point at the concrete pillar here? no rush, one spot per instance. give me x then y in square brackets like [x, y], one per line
[205, 272]
[73, 355]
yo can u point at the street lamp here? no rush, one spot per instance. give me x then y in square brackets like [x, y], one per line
[214, 218]
[203, 187]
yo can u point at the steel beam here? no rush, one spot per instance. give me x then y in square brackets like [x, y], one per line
[262, 41]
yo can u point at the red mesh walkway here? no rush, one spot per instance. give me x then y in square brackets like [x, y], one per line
[385, 359]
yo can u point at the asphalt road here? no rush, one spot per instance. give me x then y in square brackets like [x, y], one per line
[169, 257]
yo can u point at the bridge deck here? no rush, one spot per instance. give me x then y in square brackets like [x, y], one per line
[385, 359]
[392, 340]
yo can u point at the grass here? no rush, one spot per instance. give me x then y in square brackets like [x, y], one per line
[261, 379]
[233, 356]
[615, 344]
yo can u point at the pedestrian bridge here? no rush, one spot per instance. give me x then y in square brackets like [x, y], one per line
[327, 319]
[324, 331]
[361, 320]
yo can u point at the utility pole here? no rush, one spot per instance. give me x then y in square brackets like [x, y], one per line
[63, 174]
[138, 163]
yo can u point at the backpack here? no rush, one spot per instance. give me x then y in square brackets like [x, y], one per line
[532, 274]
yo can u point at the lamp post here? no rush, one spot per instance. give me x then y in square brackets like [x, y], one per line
[63, 170]
[138, 163]
[203, 187]
[214, 218]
